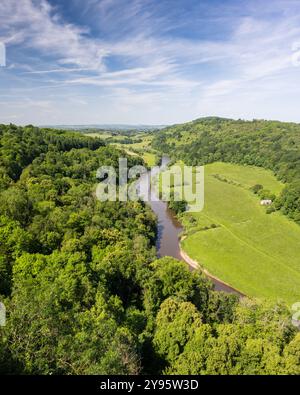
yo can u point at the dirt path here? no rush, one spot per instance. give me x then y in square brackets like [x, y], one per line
[195, 265]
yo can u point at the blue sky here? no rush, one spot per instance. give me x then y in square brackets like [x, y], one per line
[149, 61]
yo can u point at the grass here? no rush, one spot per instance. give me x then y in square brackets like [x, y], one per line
[144, 144]
[103, 135]
[142, 148]
[149, 158]
[254, 252]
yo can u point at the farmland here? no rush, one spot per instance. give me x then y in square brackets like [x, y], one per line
[138, 144]
[236, 241]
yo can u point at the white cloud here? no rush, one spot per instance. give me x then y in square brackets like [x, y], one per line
[35, 25]
[161, 77]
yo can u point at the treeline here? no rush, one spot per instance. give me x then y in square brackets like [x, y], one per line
[85, 293]
[19, 146]
[269, 144]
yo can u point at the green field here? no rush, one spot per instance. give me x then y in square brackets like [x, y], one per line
[149, 157]
[254, 252]
[142, 148]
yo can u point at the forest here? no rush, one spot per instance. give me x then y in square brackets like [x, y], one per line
[269, 144]
[83, 288]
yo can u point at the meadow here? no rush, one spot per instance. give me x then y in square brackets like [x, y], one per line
[141, 148]
[236, 241]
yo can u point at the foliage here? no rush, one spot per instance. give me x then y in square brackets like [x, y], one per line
[84, 291]
[268, 144]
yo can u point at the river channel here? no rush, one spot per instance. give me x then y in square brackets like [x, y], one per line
[169, 228]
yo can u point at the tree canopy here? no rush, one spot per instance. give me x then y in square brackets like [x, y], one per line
[269, 144]
[84, 291]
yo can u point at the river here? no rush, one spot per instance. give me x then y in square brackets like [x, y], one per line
[169, 228]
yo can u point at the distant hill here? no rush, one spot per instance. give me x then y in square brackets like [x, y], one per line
[272, 145]
[107, 127]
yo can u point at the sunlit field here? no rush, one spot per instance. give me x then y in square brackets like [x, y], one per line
[254, 252]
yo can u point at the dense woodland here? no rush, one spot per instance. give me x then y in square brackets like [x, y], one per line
[269, 144]
[83, 289]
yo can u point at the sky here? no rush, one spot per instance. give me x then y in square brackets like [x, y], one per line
[148, 61]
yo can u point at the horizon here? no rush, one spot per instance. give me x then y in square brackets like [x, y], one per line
[129, 125]
[141, 62]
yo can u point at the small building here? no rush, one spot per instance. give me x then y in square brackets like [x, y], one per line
[266, 202]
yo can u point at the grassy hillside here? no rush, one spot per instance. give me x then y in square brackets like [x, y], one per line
[84, 291]
[268, 144]
[138, 143]
[254, 252]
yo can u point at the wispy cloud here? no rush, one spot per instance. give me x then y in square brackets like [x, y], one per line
[169, 60]
[36, 25]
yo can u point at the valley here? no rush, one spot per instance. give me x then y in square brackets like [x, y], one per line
[234, 238]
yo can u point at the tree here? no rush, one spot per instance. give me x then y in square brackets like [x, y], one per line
[58, 325]
[256, 188]
[291, 355]
[192, 361]
[16, 205]
[176, 323]
[173, 278]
